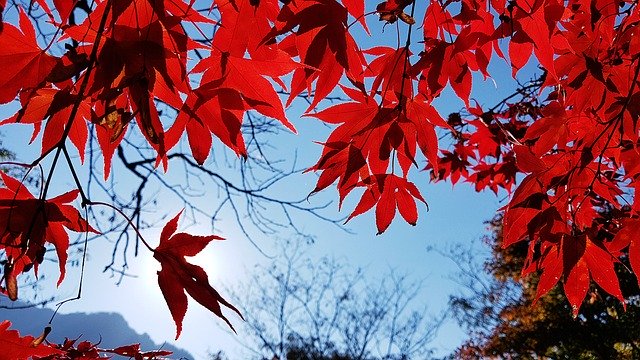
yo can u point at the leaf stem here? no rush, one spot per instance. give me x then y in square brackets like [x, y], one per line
[360, 17]
[83, 196]
[406, 61]
[91, 203]
[84, 258]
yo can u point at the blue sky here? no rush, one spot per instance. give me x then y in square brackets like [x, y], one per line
[456, 216]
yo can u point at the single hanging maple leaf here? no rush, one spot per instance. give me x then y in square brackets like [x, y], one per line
[178, 276]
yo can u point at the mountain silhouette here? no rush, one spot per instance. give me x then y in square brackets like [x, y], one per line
[108, 327]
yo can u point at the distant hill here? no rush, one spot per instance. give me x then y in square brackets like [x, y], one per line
[112, 328]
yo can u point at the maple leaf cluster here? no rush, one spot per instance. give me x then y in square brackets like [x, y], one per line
[572, 136]
[16, 347]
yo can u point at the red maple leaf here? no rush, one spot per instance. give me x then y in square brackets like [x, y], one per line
[531, 27]
[343, 156]
[324, 44]
[244, 25]
[580, 259]
[441, 63]
[16, 347]
[356, 9]
[247, 77]
[177, 275]
[628, 236]
[27, 224]
[388, 68]
[389, 192]
[23, 64]
[54, 105]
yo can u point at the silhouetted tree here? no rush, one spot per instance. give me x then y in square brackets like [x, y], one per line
[304, 309]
